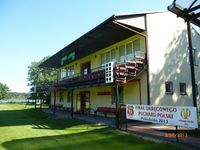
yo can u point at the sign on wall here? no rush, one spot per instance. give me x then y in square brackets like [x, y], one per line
[67, 58]
[170, 115]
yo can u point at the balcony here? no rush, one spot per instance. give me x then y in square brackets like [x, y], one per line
[95, 78]
[125, 71]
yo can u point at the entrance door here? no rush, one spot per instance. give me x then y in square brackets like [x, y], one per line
[84, 101]
[85, 68]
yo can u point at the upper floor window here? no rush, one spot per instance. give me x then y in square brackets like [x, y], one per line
[122, 53]
[136, 48]
[107, 56]
[103, 59]
[63, 73]
[70, 71]
[129, 51]
[169, 87]
[113, 55]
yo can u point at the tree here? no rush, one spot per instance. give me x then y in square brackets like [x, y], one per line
[41, 78]
[4, 91]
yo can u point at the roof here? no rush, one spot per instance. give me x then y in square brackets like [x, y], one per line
[116, 28]
[189, 10]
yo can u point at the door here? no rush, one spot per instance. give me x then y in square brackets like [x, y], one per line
[85, 68]
[84, 101]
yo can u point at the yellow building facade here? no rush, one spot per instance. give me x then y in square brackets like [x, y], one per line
[150, 64]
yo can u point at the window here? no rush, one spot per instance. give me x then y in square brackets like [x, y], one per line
[107, 56]
[68, 96]
[103, 60]
[63, 73]
[195, 56]
[113, 98]
[136, 48]
[168, 87]
[129, 53]
[71, 70]
[61, 96]
[121, 94]
[182, 88]
[113, 55]
[197, 89]
[122, 53]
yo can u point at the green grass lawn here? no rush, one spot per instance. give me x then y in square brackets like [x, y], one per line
[26, 129]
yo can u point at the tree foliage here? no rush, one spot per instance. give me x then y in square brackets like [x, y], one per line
[4, 91]
[41, 78]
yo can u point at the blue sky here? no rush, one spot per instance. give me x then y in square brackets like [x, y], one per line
[33, 29]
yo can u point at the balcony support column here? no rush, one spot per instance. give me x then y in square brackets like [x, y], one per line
[54, 103]
[72, 103]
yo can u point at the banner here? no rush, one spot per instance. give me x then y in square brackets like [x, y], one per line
[169, 115]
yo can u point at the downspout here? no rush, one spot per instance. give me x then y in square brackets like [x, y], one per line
[192, 64]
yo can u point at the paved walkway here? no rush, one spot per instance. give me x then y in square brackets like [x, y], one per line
[93, 119]
[146, 130]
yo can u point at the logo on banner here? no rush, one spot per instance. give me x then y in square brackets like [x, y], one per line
[185, 113]
[130, 111]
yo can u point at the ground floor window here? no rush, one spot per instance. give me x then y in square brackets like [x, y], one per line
[182, 88]
[69, 96]
[169, 87]
[113, 98]
[197, 90]
[121, 94]
[61, 96]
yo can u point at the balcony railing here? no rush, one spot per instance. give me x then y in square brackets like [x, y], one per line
[96, 75]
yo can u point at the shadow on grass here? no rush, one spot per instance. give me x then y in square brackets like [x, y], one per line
[105, 138]
[36, 118]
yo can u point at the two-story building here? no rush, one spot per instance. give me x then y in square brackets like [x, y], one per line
[150, 59]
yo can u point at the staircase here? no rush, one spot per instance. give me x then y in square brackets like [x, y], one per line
[130, 69]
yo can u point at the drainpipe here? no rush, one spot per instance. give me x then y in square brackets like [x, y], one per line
[191, 56]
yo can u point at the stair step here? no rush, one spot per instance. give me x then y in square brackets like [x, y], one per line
[130, 67]
[120, 68]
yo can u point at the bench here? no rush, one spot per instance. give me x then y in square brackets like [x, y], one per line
[105, 110]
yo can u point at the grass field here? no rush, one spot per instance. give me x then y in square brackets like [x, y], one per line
[29, 129]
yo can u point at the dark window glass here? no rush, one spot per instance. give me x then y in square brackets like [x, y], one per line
[168, 87]
[182, 88]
